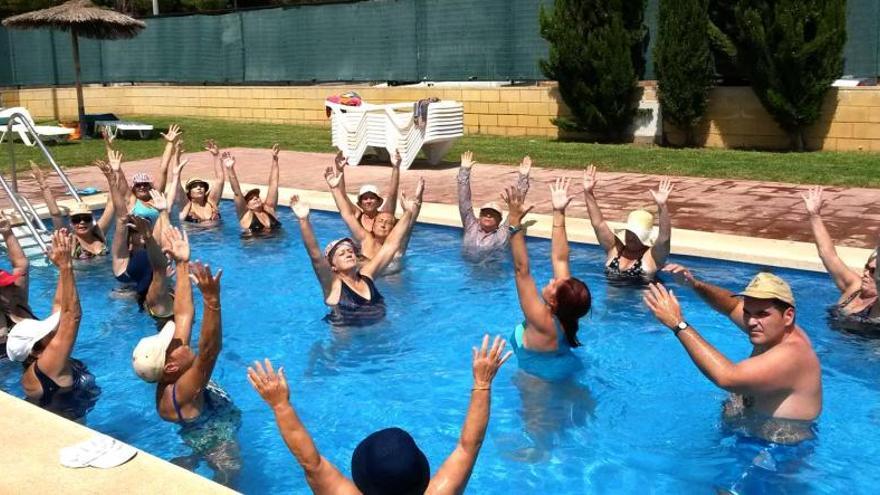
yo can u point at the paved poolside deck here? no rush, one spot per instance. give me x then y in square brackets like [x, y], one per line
[32, 438]
[768, 210]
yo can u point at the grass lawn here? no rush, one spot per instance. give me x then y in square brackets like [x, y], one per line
[860, 169]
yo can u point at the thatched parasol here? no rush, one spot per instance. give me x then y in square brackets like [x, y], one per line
[81, 18]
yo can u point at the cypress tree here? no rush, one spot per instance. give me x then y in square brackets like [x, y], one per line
[791, 51]
[683, 62]
[597, 56]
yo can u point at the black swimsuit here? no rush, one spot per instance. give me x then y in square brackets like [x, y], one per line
[859, 321]
[73, 402]
[355, 310]
[634, 272]
[257, 226]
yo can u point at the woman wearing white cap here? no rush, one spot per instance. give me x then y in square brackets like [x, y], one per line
[632, 252]
[52, 379]
[91, 237]
[202, 195]
[371, 241]
[369, 203]
[858, 307]
[185, 394]
[255, 215]
[13, 285]
[488, 234]
[347, 285]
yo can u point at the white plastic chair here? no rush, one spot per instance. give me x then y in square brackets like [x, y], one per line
[44, 131]
[391, 127]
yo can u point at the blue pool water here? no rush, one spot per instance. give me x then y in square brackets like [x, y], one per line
[640, 417]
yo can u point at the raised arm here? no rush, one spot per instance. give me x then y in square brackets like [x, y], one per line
[535, 311]
[17, 259]
[119, 247]
[404, 241]
[272, 193]
[229, 164]
[174, 189]
[171, 137]
[114, 159]
[769, 372]
[465, 206]
[219, 182]
[390, 204]
[322, 476]
[340, 162]
[660, 250]
[525, 167]
[175, 244]
[453, 475]
[392, 243]
[559, 239]
[319, 262]
[346, 210]
[48, 197]
[157, 299]
[603, 233]
[718, 298]
[54, 359]
[846, 280]
[197, 376]
[109, 214]
[174, 192]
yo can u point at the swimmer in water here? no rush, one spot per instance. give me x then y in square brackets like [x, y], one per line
[858, 307]
[52, 378]
[371, 241]
[369, 203]
[777, 391]
[347, 285]
[487, 235]
[631, 253]
[388, 460]
[255, 215]
[91, 235]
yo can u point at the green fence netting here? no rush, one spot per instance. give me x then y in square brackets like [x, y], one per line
[393, 40]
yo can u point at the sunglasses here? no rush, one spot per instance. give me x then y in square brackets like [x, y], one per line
[143, 185]
[75, 219]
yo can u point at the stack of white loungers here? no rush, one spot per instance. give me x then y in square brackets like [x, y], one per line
[391, 127]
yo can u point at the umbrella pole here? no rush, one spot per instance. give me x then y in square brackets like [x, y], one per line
[80, 107]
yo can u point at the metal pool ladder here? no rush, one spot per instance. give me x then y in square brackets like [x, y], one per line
[32, 234]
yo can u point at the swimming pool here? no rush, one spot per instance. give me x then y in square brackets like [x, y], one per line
[641, 418]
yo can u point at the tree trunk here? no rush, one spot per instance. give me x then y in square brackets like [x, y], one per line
[689, 137]
[80, 106]
[797, 139]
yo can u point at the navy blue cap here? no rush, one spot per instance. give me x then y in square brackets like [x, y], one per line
[388, 462]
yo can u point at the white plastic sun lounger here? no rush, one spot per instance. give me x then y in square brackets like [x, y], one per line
[115, 127]
[53, 132]
[391, 127]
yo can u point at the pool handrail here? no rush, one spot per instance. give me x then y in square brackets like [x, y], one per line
[23, 120]
[24, 208]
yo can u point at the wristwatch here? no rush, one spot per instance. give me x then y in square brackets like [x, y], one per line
[681, 326]
[513, 230]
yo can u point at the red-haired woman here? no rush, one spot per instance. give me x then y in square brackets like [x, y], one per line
[543, 342]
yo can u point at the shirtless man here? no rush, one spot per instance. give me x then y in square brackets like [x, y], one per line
[777, 391]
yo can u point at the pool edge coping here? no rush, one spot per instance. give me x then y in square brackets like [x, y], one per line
[754, 250]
